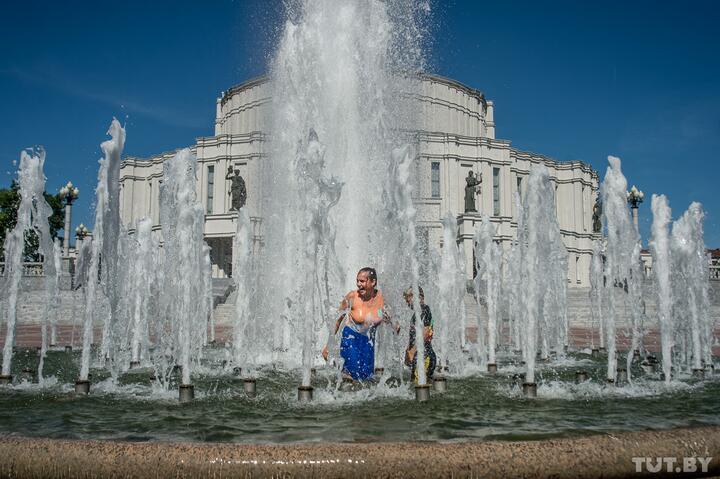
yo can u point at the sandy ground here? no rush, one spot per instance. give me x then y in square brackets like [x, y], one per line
[607, 455]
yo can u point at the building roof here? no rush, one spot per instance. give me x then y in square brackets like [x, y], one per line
[226, 95]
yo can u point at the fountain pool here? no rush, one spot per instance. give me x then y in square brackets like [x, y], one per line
[475, 407]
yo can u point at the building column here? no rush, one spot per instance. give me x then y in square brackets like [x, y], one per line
[66, 234]
[68, 194]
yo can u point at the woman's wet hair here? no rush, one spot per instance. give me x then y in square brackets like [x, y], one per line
[372, 274]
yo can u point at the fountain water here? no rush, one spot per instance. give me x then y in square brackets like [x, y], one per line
[338, 71]
[660, 248]
[622, 239]
[513, 289]
[242, 273]
[488, 261]
[635, 292]
[144, 265]
[52, 305]
[450, 293]
[320, 194]
[106, 226]
[690, 290]
[32, 215]
[54, 292]
[597, 294]
[185, 311]
[403, 159]
[542, 265]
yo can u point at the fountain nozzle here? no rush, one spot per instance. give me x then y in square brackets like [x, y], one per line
[305, 393]
[187, 393]
[422, 392]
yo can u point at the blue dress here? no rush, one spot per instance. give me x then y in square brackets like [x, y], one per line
[358, 351]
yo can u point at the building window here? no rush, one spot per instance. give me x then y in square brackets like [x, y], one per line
[582, 205]
[150, 200]
[210, 188]
[496, 191]
[519, 186]
[577, 269]
[435, 179]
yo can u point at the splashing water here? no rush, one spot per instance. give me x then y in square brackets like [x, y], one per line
[186, 312]
[112, 149]
[340, 70]
[488, 260]
[541, 266]
[242, 245]
[144, 266]
[660, 249]
[597, 293]
[690, 288]
[621, 240]
[52, 305]
[32, 214]
[450, 295]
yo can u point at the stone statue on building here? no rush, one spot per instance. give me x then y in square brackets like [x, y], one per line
[472, 188]
[597, 214]
[238, 191]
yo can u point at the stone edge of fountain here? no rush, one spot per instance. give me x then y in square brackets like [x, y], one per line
[606, 455]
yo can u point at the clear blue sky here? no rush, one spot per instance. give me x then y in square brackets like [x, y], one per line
[571, 80]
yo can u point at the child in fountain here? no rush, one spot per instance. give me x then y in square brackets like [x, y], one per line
[362, 311]
[411, 351]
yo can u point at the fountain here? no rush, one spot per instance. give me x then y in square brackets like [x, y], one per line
[32, 214]
[660, 247]
[450, 292]
[690, 290]
[622, 238]
[543, 264]
[112, 150]
[185, 310]
[488, 260]
[338, 193]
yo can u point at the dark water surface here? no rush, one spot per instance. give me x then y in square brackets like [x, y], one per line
[476, 407]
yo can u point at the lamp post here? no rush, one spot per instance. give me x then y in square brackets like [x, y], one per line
[80, 233]
[68, 194]
[634, 198]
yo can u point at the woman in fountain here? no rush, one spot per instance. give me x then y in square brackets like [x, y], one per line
[411, 351]
[362, 311]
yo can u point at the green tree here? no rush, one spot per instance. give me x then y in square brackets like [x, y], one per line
[9, 203]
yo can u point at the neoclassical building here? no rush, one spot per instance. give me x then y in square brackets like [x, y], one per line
[457, 135]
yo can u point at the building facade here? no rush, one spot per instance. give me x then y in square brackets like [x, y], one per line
[457, 136]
